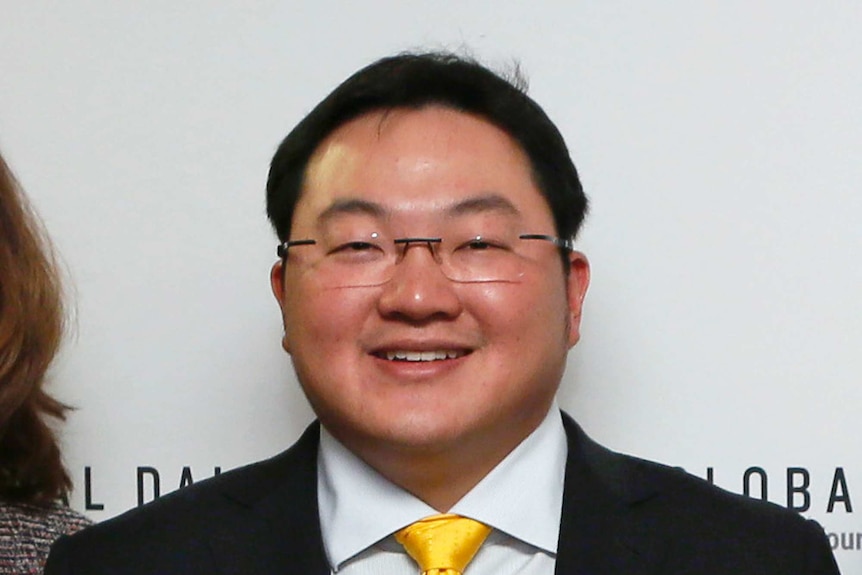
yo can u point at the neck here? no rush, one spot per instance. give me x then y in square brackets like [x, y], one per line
[440, 479]
[440, 475]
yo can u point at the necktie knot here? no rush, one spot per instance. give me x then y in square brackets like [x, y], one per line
[443, 544]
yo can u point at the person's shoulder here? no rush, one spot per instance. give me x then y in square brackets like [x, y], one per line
[27, 532]
[66, 520]
[696, 499]
[217, 500]
[703, 521]
[691, 497]
[694, 518]
[43, 521]
[205, 502]
[656, 485]
[180, 528]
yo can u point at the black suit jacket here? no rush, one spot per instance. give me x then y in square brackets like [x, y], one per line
[621, 516]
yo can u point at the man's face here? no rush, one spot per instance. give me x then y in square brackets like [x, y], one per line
[498, 348]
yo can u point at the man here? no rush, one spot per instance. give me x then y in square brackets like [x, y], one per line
[430, 293]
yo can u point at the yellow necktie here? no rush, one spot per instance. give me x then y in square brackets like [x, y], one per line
[443, 544]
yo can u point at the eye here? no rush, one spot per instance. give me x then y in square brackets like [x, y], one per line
[357, 246]
[361, 250]
[483, 243]
[478, 244]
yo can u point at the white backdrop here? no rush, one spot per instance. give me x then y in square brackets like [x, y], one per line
[719, 143]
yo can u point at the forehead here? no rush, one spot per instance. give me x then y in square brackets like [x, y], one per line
[418, 162]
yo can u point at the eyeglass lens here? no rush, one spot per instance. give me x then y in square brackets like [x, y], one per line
[348, 256]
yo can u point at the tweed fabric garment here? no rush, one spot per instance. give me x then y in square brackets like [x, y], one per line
[443, 544]
[27, 532]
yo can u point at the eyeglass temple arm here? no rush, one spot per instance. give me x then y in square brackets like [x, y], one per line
[281, 249]
[566, 244]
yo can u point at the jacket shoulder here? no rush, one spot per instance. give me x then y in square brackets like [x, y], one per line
[695, 524]
[183, 527]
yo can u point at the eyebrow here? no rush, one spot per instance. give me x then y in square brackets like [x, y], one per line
[490, 202]
[352, 206]
[486, 203]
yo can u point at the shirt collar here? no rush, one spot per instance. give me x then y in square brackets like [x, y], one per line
[529, 479]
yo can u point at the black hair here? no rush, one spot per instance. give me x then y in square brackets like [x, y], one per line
[415, 80]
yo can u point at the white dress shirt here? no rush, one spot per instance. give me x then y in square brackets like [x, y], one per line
[521, 498]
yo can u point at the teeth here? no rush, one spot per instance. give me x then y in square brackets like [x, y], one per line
[422, 355]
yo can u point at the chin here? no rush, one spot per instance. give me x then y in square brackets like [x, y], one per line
[414, 432]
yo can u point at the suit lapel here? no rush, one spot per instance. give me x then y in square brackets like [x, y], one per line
[600, 533]
[276, 529]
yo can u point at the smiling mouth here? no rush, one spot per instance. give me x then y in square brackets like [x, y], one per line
[436, 355]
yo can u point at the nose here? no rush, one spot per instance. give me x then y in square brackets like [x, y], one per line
[418, 290]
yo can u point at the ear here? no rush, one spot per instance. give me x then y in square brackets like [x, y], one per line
[276, 282]
[577, 283]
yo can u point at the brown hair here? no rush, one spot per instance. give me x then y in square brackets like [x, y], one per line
[31, 327]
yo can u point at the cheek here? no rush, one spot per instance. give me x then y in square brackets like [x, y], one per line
[523, 311]
[319, 320]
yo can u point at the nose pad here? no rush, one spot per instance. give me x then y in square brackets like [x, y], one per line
[403, 246]
[418, 288]
[406, 243]
[430, 243]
